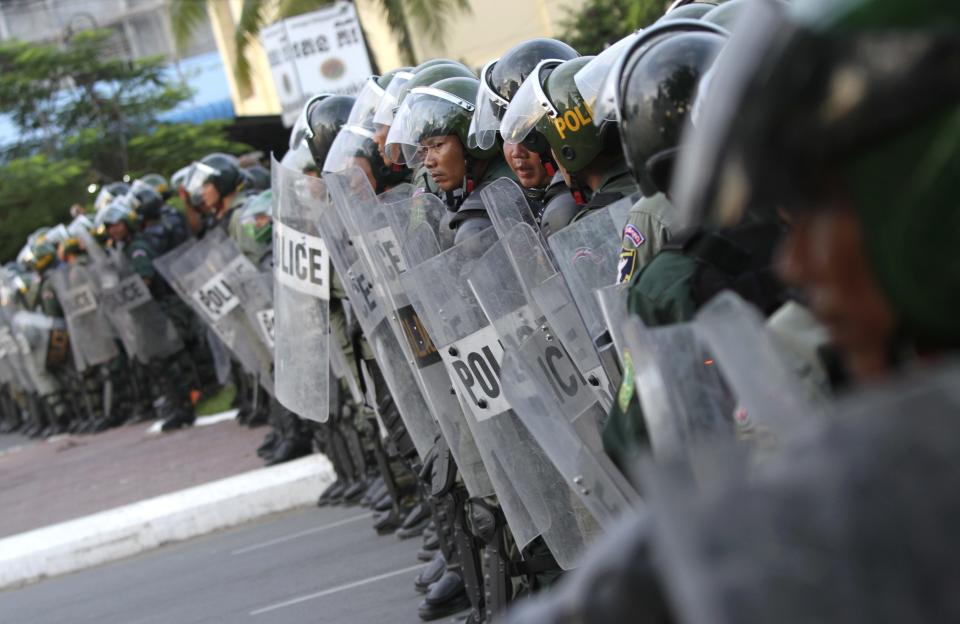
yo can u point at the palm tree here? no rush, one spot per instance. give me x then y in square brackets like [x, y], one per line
[429, 16]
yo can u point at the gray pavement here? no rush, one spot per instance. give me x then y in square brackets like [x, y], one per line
[309, 565]
[10, 441]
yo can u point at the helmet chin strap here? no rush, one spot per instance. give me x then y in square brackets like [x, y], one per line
[455, 198]
[581, 193]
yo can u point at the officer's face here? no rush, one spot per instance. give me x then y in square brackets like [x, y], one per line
[526, 164]
[210, 195]
[823, 255]
[118, 231]
[380, 137]
[444, 159]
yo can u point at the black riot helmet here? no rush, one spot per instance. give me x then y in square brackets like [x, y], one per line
[325, 115]
[146, 200]
[257, 178]
[499, 82]
[656, 90]
[223, 171]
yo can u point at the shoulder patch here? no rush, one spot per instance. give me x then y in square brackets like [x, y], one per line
[139, 253]
[632, 235]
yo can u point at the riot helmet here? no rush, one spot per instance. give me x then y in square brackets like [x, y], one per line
[108, 192]
[146, 200]
[159, 184]
[501, 78]
[325, 115]
[832, 128]
[440, 110]
[257, 178]
[220, 170]
[656, 89]
[300, 159]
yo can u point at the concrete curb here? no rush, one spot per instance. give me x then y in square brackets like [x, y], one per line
[132, 529]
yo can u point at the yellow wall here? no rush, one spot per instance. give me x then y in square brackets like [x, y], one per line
[486, 32]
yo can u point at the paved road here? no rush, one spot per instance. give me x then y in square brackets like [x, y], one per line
[310, 565]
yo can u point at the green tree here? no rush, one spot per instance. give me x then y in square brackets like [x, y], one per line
[37, 191]
[429, 17]
[85, 116]
[598, 23]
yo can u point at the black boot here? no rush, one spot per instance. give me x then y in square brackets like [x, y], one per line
[444, 598]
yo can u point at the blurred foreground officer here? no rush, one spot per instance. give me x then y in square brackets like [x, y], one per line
[854, 519]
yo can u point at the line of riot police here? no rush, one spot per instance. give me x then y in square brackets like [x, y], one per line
[579, 322]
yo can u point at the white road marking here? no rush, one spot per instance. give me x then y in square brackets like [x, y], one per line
[337, 589]
[294, 536]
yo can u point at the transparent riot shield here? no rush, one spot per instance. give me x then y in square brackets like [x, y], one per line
[32, 331]
[863, 496]
[382, 224]
[366, 295]
[469, 347]
[301, 295]
[587, 254]
[507, 206]
[547, 288]
[545, 491]
[768, 382]
[144, 329]
[91, 337]
[687, 405]
[551, 395]
[13, 357]
[219, 283]
[613, 305]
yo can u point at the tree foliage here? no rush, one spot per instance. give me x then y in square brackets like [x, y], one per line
[85, 116]
[602, 22]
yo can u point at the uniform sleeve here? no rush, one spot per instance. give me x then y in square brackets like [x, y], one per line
[646, 232]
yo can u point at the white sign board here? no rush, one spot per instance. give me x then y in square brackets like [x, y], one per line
[318, 52]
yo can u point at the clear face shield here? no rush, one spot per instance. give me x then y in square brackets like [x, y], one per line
[386, 107]
[366, 104]
[301, 129]
[490, 109]
[104, 197]
[425, 112]
[79, 226]
[529, 106]
[592, 79]
[351, 148]
[198, 176]
[56, 235]
[299, 159]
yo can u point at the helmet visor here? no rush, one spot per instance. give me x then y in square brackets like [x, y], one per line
[529, 106]
[387, 106]
[56, 235]
[180, 177]
[103, 198]
[79, 225]
[353, 143]
[366, 104]
[199, 174]
[426, 112]
[138, 186]
[299, 159]
[490, 109]
[118, 210]
[597, 80]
